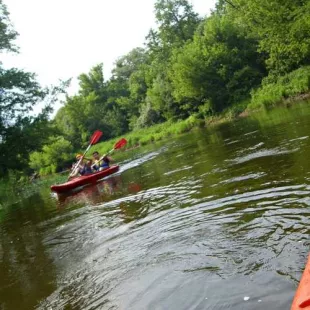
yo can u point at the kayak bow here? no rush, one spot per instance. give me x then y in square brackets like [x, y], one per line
[83, 180]
[302, 295]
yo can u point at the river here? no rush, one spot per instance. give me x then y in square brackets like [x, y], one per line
[214, 219]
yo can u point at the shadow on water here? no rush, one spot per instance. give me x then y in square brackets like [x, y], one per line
[215, 219]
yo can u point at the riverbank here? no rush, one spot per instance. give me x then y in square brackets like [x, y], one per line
[168, 129]
[284, 90]
[273, 90]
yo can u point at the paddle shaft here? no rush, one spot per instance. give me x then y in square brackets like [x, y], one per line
[103, 156]
[79, 162]
[93, 140]
[119, 144]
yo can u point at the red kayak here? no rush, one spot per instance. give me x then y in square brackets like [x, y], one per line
[302, 296]
[83, 180]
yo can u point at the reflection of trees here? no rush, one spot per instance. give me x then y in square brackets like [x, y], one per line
[283, 126]
[277, 129]
[211, 153]
[26, 272]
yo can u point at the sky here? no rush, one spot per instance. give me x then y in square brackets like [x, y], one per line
[60, 39]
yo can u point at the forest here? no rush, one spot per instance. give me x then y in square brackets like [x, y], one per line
[247, 54]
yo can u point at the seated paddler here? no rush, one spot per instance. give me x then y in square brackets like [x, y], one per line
[82, 167]
[101, 163]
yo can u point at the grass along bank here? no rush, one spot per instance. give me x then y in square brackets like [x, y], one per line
[14, 188]
[152, 134]
[164, 130]
[293, 86]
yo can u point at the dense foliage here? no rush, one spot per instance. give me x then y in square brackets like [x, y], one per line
[21, 131]
[189, 67]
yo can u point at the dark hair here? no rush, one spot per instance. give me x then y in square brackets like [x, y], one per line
[95, 153]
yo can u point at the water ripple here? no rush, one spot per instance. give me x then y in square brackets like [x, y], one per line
[211, 226]
[195, 236]
[261, 153]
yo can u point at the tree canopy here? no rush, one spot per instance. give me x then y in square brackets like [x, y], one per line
[20, 131]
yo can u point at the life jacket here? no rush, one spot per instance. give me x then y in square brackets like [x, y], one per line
[104, 163]
[85, 169]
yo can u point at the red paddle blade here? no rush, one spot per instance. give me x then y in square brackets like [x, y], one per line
[122, 142]
[95, 137]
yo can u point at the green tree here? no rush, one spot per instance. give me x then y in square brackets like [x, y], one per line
[129, 63]
[53, 155]
[95, 106]
[93, 82]
[160, 97]
[176, 21]
[130, 73]
[220, 66]
[282, 28]
[7, 32]
[148, 116]
[20, 132]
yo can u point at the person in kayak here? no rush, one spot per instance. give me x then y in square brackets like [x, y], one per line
[101, 163]
[84, 167]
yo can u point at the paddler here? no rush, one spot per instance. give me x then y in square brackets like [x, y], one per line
[84, 167]
[101, 163]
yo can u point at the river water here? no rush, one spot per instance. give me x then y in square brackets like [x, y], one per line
[214, 219]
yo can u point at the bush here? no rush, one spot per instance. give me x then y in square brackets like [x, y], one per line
[205, 109]
[235, 109]
[274, 91]
[148, 116]
[53, 156]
